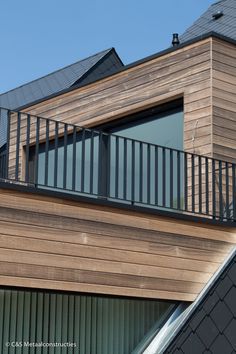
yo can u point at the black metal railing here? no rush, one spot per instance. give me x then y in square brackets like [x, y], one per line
[54, 155]
[3, 154]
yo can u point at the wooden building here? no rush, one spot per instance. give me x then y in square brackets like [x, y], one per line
[118, 198]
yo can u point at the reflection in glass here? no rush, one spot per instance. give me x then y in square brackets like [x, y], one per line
[142, 170]
[133, 162]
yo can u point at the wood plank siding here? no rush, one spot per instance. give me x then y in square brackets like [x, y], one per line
[53, 243]
[186, 73]
[224, 100]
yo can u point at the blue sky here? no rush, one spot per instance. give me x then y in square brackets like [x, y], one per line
[38, 37]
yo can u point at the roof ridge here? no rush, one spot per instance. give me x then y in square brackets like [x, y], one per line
[217, 2]
[58, 70]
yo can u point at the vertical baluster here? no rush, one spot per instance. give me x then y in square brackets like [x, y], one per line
[74, 138]
[133, 172]
[2, 175]
[213, 188]
[46, 153]
[27, 149]
[56, 155]
[227, 190]
[186, 181]
[18, 132]
[193, 182]
[163, 177]
[148, 174]
[171, 179]
[234, 191]
[37, 150]
[200, 184]
[83, 160]
[65, 158]
[91, 161]
[178, 182]
[156, 175]
[140, 172]
[102, 179]
[117, 168]
[220, 189]
[125, 170]
[108, 163]
[207, 185]
[8, 143]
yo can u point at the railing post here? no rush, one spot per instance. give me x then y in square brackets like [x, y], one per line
[56, 154]
[18, 133]
[178, 182]
[200, 184]
[36, 157]
[133, 172]
[163, 176]
[213, 189]
[65, 158]
[193, 182]
[74, 164]
[234, 192]
[171, 179]
[8, 143]
[227, 190]
[27, 149]
[186, 181]
[103, 166]
[220, 190]
[207, 185]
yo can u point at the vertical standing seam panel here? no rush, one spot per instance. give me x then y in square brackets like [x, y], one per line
[97, 324]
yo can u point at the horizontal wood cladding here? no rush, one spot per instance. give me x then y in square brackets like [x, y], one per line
[224, 101]
[52, 243]
[185, 72]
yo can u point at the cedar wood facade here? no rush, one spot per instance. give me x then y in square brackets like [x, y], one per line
[54, 240]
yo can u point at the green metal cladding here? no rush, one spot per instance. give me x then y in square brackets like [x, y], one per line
[96, 324]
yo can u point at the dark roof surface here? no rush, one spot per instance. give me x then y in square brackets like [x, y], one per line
[225, 25]
[210, 326]
[80, 73]
[61, 79]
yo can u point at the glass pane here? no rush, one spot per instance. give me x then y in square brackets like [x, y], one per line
[145, 173]
[141, 168]
[166, 130]
[81, 170]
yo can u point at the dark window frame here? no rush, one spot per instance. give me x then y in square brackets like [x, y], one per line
[148, 115]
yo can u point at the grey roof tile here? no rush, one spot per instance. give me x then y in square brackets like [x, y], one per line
[54, 82]
[212, 330]
[225, 25]
[209, 324]
[81, 72]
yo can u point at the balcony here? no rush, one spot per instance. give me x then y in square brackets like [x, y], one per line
[51, 155]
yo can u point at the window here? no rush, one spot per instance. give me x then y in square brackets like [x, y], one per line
[129, 160]
[146, 134]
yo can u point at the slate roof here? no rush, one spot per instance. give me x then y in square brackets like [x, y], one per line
[80, 73]
[225, 25]
[209, 324]
[61, 79]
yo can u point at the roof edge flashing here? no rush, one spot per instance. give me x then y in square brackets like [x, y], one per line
[136, 63]
[162, 346]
